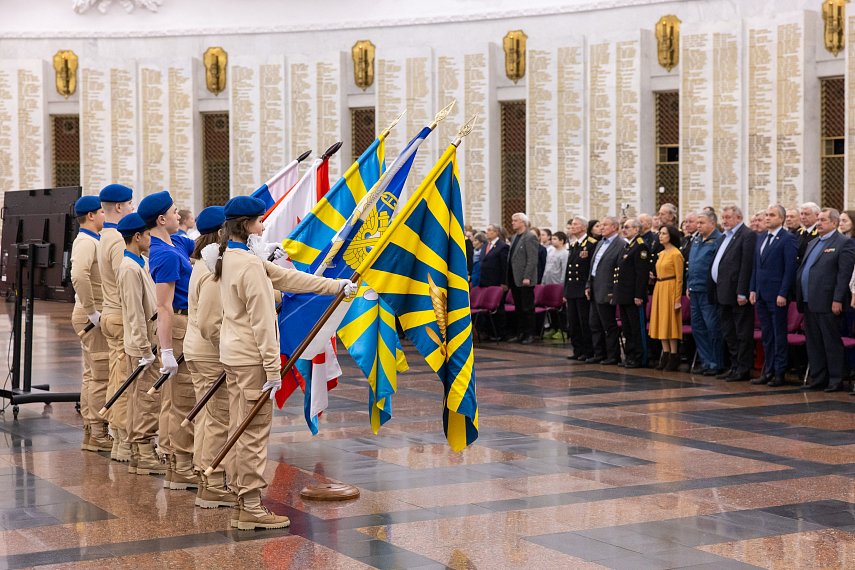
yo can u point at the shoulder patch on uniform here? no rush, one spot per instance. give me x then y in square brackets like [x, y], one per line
[644, 254]
[592, 240]
[639, 241]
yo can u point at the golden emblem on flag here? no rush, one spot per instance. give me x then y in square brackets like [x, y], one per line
[439, 300]
[368, 235]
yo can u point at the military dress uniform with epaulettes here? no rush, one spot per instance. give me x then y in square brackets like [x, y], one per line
[578, 306]
[630, 283]
[805, 235]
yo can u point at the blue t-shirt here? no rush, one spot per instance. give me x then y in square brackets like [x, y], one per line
[171, 264]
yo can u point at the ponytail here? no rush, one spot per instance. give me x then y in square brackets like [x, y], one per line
[232, 228]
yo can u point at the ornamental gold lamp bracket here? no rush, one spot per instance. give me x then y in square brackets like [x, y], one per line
[668, 41]
[216, 61]
[834, 25]
[514, 45]
[65, 65]
[363, 63]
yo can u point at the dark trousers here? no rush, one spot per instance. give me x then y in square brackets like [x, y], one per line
[632, 323]
[578, 321]
[773, 325]
[826, 355]
[604, 331]
[706, 330]
[737, 327]
[524, 309]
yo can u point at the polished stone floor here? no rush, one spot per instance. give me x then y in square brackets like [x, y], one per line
[577, 466]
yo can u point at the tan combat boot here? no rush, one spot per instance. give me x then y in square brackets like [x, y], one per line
[167, 465]
[254, 515]
[135, 458]
[114, 453]
[235, 515]
[149, 463]
[214, 493]
[123, 454]
[183, 476]
[87, 432]
[99, 439]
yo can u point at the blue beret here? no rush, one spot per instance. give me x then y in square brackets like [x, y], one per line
[131, 224]
[154, 205]
[116, 193]
[86, 204]
[244, 206]
[210, 219]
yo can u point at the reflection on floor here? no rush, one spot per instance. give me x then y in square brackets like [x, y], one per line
[576, 467]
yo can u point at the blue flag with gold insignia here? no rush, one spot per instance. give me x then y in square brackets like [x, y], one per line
[419, 268]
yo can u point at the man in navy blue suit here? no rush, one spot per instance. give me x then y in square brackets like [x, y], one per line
[771, 281]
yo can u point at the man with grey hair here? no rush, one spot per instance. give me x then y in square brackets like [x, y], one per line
[668, 214]
[575, 280]
[808, 214]
[600, 291]
[651, 238]
[630, 293]
[522, 276]
[731, 278]
[771, 283]
[706, 327]
[822, 291]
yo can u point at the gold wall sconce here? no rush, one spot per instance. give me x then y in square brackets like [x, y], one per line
[834, 29]
[668, 41]
[65, 65]
[514, 45]
[363, 63]
[216, 61]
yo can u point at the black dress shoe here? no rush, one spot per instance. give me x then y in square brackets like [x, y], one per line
[610, 362]
[697, 370]
[712, 371]
[593, 360]
[836, 388]
[724, 374]
[814, 385]
[528, 339]
[515, 338]
[738, 377]
[776, 381]
[759, 381]
[632, 364]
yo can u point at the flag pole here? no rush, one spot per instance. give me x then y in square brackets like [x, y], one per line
[369, 259]
[125, 385]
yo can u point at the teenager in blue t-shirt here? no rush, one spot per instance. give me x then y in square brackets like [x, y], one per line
[169, 263]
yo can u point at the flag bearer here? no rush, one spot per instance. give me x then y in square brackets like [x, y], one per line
[203, 361]
[86, 279]
[117, 201]
[136, 292]
[169, 264]
[249, 348]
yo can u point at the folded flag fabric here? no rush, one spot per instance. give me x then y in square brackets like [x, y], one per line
[278, 185]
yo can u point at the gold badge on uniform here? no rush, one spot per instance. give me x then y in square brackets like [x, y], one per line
[643, 254]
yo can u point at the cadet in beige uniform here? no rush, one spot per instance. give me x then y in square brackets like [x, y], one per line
[202, 352]
[117, 201]
[249, 348]
[136, 291]
[86, 279]
[169, 264]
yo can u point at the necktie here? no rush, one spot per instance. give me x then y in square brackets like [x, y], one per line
[489, 246]
[765, 243]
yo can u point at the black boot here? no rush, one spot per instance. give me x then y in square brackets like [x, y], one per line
[673, 362]
[663, 360]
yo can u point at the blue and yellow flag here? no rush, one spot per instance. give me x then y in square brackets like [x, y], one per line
[419, 268]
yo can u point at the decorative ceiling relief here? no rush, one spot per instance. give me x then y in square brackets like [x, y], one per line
[103, 6]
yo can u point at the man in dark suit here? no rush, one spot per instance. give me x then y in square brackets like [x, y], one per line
[600, 290]
[771, 282]
[576, 279]
[731, 282]
[630, 293]
[808, 214]
[522, 276]
[494, 271]
[822, 291]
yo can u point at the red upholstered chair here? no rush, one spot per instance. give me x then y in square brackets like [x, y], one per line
[548, 299]
[509, 303]
[489, 299]
[795, 332]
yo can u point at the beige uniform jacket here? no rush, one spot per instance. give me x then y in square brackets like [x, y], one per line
[205, 316]
[136, 290]
[85, 275]
[250, 332]
[111, 251]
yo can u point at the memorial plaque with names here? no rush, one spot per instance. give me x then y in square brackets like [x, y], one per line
[180, 133]
[154, 104]
[790, 105]
[328, 79]
[628, 121]
[571, 132]
[601, 127]
[244, 150]
[272, 126]
[476, 154]
[123, 125]
[760, 153]
[727, 108]
[541, 138]
[695, 121]
[450, 86]
[303, 110]
[31, 141]
[8, 128]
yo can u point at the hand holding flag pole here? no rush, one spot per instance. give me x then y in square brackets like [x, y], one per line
[366, 263]
[125, 385]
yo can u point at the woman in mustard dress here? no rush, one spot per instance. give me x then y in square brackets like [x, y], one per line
[666, 322]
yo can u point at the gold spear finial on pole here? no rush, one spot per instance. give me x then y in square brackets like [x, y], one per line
[391, 126]
[465, 130]
[443, 113]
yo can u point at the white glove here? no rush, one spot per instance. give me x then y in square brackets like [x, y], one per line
[95, 319]
[348, 286]
[258, 246]
[274, 252]
[210, 254]
[147, 361]
[170, 365]
[274, 384]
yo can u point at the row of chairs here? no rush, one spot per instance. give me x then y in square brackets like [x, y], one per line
[486, 301]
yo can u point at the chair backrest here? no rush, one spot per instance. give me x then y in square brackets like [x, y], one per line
[648, 307]
[509, 298]
[756, 319]
[491, 297]
[686, 310]
[549, 296]
[475, 297]
[794, 318]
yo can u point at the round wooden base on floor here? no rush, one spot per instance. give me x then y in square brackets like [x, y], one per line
[330, 492]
